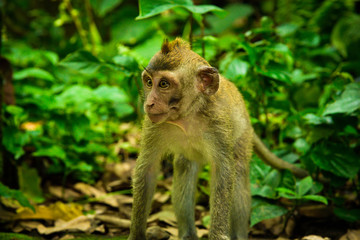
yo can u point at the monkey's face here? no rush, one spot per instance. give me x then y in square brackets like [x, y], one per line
[162, 95]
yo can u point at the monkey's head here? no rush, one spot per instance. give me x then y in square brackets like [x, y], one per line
[176, 82]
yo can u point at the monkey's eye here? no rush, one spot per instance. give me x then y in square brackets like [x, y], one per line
[148, 83]
[164, 84]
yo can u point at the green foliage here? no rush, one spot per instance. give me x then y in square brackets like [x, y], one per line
[150, 8]
[15, 194]
[297, 68]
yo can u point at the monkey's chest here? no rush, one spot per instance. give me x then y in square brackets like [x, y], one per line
[192, 146]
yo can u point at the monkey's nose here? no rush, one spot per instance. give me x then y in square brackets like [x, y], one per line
[150, 105]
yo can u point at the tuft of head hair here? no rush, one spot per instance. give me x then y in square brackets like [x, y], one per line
[177, 44]
[174, 54]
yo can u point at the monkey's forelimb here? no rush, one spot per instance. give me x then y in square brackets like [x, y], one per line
[271, 159]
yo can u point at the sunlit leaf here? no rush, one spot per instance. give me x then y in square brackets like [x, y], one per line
[111, 93]
[348, 102]
[303, 186]
[82, 61]
[33, 73]
[53, 151]
[148, 8]
[316, 198]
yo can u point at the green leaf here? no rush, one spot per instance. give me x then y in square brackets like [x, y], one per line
[286, 29]
[77, 96]
[14, 140]
[346, 37]
[14, 110]
[336, 158]
[237, 69]
[316, 120]
[286, 193]
[202, 9]
[281, 76]
[102, 7]
[33, 73]
[53, 151]
[31, 189]
[126, 61]
[350, 215]
[266, 211]
[111, 94]
[348, 102]
[148, 8]
[250, 51]
[299, 77]
[123, 110]
[316, 198]
[82, 61]
[303, 186]
[15, 194]
[301, 145]
[79, 127]
[265, 191]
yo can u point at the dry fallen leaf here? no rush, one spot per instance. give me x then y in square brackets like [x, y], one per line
[58, 210]
[79, 224]
[314, 237]
[123, 223]
[89, 190]
[165, 216]
[351, 235]
[64, 194]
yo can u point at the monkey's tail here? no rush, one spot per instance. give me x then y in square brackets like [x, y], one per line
[271, 159]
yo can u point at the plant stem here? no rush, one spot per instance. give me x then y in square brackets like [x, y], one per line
[94, 33]
[75, 17]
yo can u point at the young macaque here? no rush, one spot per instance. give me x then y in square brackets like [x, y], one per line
[200, 117]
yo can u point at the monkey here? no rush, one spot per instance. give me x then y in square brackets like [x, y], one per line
[195, 114]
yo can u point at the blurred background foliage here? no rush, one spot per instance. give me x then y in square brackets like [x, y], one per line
[76, 77]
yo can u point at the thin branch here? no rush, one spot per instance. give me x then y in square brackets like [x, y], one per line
[75, 17]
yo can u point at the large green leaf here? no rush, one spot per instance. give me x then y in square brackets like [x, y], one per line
[111, 93]
[348, 102]
[303, 186]
[14, 140]
[53, 151]
[82, 61]
[79, 127]
[265, 211]
[77, 96]
[237, 69]
[102, 7]
[316, 198]
[31, 189]
[278, 75]
[336, 158]
[33, 73]
[148, 8]
[346, 36]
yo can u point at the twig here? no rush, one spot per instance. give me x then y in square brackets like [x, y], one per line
[75, 17]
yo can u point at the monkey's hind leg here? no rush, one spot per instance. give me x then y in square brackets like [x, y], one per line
[184, 189]
[241, 204]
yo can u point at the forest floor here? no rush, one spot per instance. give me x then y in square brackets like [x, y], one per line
[107, 208]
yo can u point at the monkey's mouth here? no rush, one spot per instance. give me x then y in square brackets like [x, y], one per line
[155, 118]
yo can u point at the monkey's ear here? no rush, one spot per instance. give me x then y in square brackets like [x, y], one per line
[208, 80]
